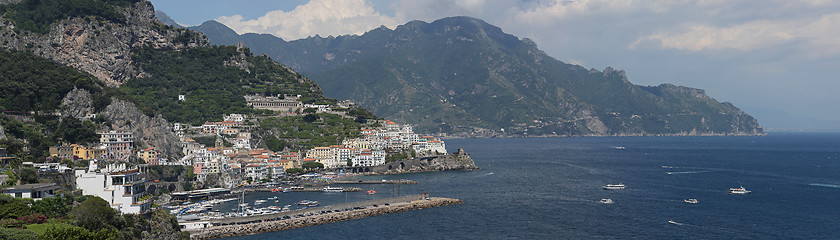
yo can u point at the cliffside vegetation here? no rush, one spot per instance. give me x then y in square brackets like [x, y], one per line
[37, 15]
[29, 84]
[308, 131]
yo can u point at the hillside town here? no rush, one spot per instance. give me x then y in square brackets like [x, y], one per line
[231, 161]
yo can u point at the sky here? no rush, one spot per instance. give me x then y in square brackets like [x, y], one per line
[776, 60]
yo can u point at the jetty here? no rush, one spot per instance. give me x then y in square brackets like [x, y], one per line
[229, 227]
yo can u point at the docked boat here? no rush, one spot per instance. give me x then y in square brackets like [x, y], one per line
[308, 203]
[260, 201]
[371, 192]
[691, 200]
[607, 201]
[619, 186]
[740, 190]
[332, 189]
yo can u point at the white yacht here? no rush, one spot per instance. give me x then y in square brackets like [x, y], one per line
[691, 200]
[332, 189]
[740, 190]
[619, 186]
[607, 201]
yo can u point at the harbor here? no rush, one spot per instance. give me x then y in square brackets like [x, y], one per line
[237, 226]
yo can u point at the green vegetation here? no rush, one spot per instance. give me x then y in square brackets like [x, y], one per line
[33, 83]
[85, 217]
[293, 171]
[37, 15]
[313, 130]
[402, 155]
[212, 89]
[312, 165]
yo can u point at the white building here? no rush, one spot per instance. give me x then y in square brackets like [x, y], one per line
[36, 191]
[121, 188]
[239, 118]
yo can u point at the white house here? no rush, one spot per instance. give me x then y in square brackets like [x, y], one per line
[121, 188]
[35, 191]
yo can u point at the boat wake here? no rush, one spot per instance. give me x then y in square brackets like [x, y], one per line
[825, 185]
[686, 172]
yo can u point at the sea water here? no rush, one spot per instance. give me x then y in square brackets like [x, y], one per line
[549, 188]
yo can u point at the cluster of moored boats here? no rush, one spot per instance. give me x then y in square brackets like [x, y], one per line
[621, 186]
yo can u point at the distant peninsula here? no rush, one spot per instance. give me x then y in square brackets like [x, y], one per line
[462, 77]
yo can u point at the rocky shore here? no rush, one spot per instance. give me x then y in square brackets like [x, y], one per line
[318, 218]
[458, 160]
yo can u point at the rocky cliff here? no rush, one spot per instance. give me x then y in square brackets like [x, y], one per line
[455, 161]
[125, 116]
[153, 131]
[101, 48]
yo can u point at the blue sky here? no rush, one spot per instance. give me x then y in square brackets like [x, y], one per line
[776, 60]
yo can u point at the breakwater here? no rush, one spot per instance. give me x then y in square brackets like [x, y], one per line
[230, 227]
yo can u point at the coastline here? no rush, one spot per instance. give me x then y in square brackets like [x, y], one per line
[317, 216]
[488, 136]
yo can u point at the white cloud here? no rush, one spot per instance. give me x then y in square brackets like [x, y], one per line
[324, 17]
[817, 35]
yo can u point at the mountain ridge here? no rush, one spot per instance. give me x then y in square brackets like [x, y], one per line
[464, 76]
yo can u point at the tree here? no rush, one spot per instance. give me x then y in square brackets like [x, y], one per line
[94, 214]
[294, 170]
[310, 117]
[311, 165]
[28, 175]
[14, 209]
[52, 207]
[275, 144]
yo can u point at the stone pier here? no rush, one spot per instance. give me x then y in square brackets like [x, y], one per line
[230, 227]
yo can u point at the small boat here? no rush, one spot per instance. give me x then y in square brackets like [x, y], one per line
[607, 201]
[740, 190]
[371, 192]
[308, 203]
[285, 190]
[332, 189]
[260, 201]
[620, 148]
[619, 186]
[674, 222]
[691, 200]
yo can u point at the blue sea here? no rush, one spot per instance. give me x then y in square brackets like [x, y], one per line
[549, 188]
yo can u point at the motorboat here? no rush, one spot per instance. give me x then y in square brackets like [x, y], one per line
[691, 200]
[619, 186]
[332, 189]
[607, 201]
[371, 192]
[740, 190]
[308, 203]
